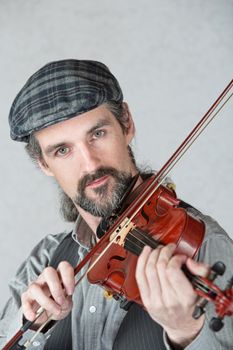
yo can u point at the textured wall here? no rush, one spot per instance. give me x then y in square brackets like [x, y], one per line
[172, 59]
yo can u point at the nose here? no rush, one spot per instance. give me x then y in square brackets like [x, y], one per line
[88, 157]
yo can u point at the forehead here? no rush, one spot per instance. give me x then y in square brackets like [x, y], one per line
[77, 126]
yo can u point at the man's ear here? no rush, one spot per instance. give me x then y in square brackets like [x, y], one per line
[44, 167]
[128, 123]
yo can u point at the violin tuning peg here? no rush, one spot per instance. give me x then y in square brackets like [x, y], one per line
[199, 308]
[219, 268]
[198, 311]
[216, 324]
[230, 283]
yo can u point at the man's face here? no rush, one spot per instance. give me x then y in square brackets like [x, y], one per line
[88, 155]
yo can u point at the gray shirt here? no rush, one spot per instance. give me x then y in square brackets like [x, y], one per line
[95, 319]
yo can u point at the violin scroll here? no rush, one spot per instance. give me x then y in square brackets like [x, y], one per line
[222, 299]
[223, 307]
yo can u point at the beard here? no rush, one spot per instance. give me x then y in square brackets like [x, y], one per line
[107, 197]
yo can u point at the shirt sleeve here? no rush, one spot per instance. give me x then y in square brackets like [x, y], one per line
[206, 339]
[217, 246]
[11, 315]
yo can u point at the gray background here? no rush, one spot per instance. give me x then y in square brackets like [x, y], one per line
[172, 58]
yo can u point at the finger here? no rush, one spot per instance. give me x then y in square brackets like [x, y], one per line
[66, 273]
[140, 275]
[53, 281]
[165, 256]
[198, 268]
[179, 282]
[28, 307]
[35, 293]
[147, 279]
[152, 273]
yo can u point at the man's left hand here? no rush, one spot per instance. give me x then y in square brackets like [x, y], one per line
[167, 294]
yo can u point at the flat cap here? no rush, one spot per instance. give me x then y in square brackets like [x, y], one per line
[58, 91]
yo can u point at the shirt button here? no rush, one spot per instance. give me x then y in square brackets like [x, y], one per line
[36, 343]
[92, 309]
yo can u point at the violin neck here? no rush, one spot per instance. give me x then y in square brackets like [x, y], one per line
[136, 240]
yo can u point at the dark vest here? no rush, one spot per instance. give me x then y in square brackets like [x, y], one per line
[137, 331]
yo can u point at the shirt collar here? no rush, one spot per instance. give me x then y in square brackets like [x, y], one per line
[83, 235]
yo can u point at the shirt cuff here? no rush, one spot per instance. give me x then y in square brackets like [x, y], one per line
[41, 338]
[204, 340]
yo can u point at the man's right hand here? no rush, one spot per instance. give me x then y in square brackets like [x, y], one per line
[52, 291]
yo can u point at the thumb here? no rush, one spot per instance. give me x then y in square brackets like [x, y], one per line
[198, 268]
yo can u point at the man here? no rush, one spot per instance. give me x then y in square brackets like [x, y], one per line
[72, 116]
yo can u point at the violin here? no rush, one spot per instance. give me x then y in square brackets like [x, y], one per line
[153, 216]
[159, 222]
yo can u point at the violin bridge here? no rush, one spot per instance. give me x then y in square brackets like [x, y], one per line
[119, 235]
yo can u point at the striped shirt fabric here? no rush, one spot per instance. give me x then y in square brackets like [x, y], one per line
[95, 319]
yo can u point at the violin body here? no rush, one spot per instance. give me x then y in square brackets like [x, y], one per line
[153, 218]
[159, 222]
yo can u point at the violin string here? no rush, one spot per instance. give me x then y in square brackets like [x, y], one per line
[165, 171]
[198, 282]
[184, 150]
[196, 132]
[41, 310]
[135, 244]
[146, 238]
[90, 267]
[205, 288]
[135, 248]
[140, 240]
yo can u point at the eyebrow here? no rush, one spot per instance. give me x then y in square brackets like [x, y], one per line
[99, 124]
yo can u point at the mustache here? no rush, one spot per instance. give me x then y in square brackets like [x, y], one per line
[100, 172]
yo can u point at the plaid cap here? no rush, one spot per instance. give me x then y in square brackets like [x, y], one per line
[58, 91]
